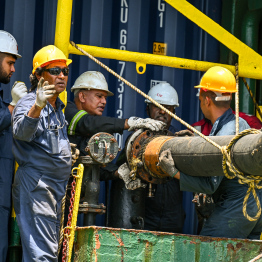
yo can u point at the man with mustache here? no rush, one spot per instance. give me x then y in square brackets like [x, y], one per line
[84, 115]
[164, 211]
[85, 119]
[8, 56]
[42, 150]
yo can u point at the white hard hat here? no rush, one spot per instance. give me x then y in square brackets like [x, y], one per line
[8, 44]
[164, 94]
[91, 80]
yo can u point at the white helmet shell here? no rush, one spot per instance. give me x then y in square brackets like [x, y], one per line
[8, 44]
[91, 80]
[164, 94]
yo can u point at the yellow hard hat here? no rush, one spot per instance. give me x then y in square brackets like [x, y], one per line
[48, 54]
[218, 79]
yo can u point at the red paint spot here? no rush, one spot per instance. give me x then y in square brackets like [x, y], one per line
[119, 240]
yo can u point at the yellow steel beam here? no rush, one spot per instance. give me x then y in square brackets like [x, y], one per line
[63, 25]
[62, 31]
[250, 62]
[141, 59]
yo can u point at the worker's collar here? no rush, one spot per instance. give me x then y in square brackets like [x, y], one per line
[221, 121]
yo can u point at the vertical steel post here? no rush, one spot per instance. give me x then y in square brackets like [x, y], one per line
[62, 31]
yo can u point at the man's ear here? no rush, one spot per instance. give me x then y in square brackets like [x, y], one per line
[81, 97]
[208, 101]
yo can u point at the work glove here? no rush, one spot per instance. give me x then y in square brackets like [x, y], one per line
[147, 123]
[204, 205]
[74, 152]
[124, 173]
[167, 163]
[19, 90]
[44, 92]
[185, 132]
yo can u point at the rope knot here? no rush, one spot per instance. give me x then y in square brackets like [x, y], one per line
[251, 181]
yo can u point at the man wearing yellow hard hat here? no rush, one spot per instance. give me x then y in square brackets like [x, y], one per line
[227, 219]
[42, 150]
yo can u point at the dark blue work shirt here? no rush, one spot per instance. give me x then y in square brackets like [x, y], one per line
[6, 156]
[6, 136]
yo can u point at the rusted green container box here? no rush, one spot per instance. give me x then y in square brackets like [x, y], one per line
[100, 244]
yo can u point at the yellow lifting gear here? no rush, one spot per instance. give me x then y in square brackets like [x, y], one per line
[250, 62]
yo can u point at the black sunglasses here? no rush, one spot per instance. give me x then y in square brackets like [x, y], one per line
[57, 70]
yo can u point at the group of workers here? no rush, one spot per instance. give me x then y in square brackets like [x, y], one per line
[36, 134]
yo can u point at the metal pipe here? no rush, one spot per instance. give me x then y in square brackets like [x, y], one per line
[196, 157]
[92, 188]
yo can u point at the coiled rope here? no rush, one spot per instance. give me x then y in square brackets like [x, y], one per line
[251, 181]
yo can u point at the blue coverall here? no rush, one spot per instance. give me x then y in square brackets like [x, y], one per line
[42, 150]
[227, 220]
[6, 173]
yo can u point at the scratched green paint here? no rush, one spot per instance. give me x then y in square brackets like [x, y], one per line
[110, 244]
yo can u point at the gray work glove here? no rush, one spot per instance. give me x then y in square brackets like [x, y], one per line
[185, 132]
[44, 92]
[130, 184]
[167, 163]
[19, 90]
[147, 123]
[74, 152]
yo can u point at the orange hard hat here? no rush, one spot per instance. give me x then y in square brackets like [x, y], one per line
[218, 79]
[47, 55]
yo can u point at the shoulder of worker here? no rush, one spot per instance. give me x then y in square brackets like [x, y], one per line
[70, 110]
[253, 121]
[81, 123]
[230, 127]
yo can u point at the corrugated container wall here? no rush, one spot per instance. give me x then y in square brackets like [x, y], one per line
[122, 24]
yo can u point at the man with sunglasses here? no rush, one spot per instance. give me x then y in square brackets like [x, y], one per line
[8, 57]
[42, 150]
[227, 219]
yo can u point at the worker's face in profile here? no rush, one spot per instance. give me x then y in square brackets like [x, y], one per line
[156, 113]
[55, 76]
[7, 67]
[93, 101]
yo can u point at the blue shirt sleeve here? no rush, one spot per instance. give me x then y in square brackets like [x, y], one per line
[198, 184]
[25, 127]
[209, 185]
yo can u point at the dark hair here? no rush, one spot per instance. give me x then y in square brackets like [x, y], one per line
[3, 55]
[212, 96]
[33, 78]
